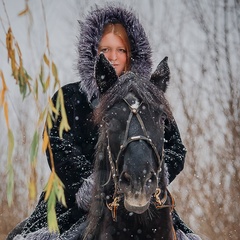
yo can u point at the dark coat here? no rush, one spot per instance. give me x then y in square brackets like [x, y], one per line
[74, 153]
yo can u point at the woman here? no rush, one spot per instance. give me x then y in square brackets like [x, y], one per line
[118, 34]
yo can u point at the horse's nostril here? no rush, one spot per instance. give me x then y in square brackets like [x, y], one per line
[151, 179]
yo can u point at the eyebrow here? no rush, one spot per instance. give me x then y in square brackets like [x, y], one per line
[121, 46]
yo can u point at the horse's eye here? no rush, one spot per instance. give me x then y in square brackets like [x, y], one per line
[126, 178]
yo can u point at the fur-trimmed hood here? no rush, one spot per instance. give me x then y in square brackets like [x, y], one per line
[91, 30]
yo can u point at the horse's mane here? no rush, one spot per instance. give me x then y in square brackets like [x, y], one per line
[141, 88]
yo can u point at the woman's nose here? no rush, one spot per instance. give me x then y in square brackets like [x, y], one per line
[112, 56]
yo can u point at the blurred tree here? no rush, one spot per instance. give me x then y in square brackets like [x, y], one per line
[211, 108]
[36, 88]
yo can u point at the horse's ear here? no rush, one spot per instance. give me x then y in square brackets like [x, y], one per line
[161, 76]
[105, 74]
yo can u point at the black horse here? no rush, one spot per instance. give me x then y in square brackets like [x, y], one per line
[130, 198]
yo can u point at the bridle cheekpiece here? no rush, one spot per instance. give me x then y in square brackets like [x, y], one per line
[134, 111]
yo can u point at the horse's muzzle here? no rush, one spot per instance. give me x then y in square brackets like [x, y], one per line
[134, 205]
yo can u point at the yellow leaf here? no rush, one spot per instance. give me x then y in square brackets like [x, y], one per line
[49, 121]
[45, 140]
[5, 106]
[32, 186]
[11, 52]
[46, 85]
[54, 70]
[34, 147]
[42, 116]
[19, 51]
[58, 103]
[56, 193]
[60, 192]
[64, 122]
[13, 64]
[46, 59]
[9, 42]
[4, 89]
[10, 145]
[55, 74]
[51, 213]
[61, 128]
[55, 110]
[48, 188]
[36, 89]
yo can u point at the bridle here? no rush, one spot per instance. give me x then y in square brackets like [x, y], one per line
[134, 111]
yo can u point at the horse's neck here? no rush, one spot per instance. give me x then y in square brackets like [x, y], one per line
[157, 224]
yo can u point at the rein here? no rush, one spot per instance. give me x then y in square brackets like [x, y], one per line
[160, 203]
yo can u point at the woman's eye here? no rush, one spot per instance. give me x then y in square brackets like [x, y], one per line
[104, 50]
[122, 50]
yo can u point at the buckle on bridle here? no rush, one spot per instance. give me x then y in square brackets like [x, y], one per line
[159, 204]
[113, 208]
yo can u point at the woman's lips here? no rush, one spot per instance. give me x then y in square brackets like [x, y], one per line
[115, 65]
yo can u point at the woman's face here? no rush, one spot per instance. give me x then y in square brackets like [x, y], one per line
[114, 50]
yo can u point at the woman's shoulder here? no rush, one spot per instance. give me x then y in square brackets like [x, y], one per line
[73, 95]
[71, 90]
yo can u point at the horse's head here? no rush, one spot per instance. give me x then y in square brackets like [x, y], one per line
[131, 116]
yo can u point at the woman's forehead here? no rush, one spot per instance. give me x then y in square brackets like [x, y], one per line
[111, 39]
